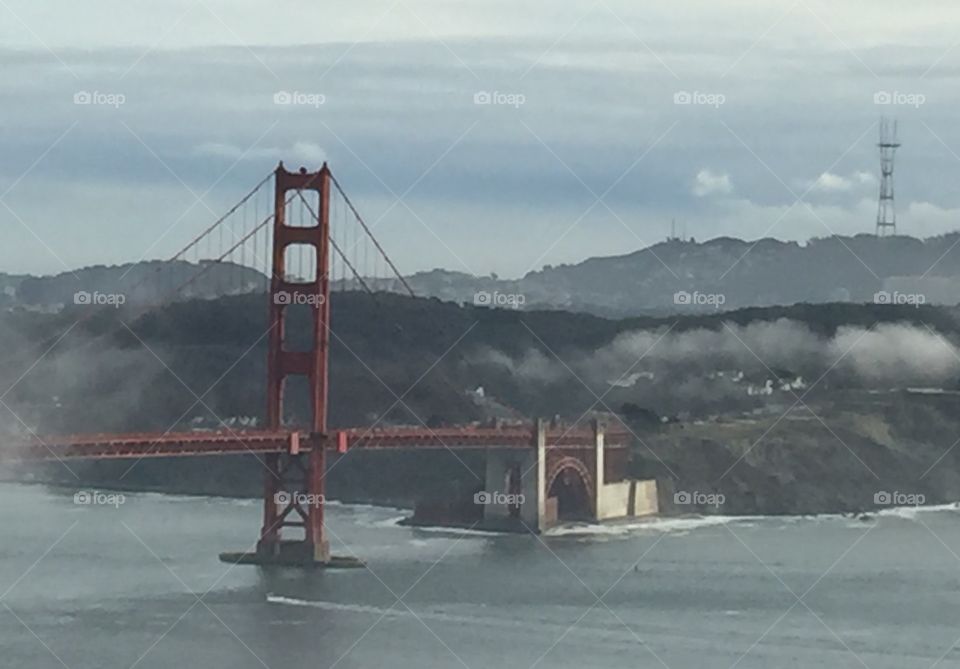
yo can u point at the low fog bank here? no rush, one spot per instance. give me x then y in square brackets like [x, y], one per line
[739, 365]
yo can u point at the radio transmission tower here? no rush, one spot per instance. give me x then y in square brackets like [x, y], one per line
[886, 211]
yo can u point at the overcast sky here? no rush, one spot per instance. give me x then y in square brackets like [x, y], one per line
[584, 151]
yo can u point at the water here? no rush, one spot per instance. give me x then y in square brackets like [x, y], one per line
[140, 585]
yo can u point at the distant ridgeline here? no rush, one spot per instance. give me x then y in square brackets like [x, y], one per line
[728, 273]
[140, 283]
[672, 276]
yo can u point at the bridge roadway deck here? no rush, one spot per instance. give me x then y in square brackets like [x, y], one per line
[194, 443]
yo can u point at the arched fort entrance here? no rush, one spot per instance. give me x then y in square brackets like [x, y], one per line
[560, 478]
[572, 487]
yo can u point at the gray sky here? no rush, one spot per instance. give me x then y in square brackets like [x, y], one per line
[783, 106]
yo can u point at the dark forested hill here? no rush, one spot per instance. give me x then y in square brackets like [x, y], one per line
[124, 371]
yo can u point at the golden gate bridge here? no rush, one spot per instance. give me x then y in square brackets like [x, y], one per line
[303, 240]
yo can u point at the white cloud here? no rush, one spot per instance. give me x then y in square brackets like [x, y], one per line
[828, 182]
[708, 183]
[831, 183]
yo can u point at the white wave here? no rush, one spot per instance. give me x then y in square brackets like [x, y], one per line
[246, 502]
[400, 611]
[680, 524]
[910, 512]
[334, 606]
[457, 531]
[684, 524]
[393, 521]
[395, 611]
[358, 506]
[601, 636]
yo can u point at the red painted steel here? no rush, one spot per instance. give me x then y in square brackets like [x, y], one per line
[283, 363]
[276, 442]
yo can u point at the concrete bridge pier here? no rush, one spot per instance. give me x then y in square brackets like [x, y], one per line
[514, 497]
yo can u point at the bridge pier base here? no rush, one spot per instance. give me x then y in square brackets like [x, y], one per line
[514, 487]
[293, 498]
[512, 496]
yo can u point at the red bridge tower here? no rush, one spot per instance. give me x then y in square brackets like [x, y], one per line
[293, 489]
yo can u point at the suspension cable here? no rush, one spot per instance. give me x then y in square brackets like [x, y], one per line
[336, 248]
[370, 235]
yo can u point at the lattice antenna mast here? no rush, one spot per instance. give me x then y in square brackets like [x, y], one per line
[886, 209]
